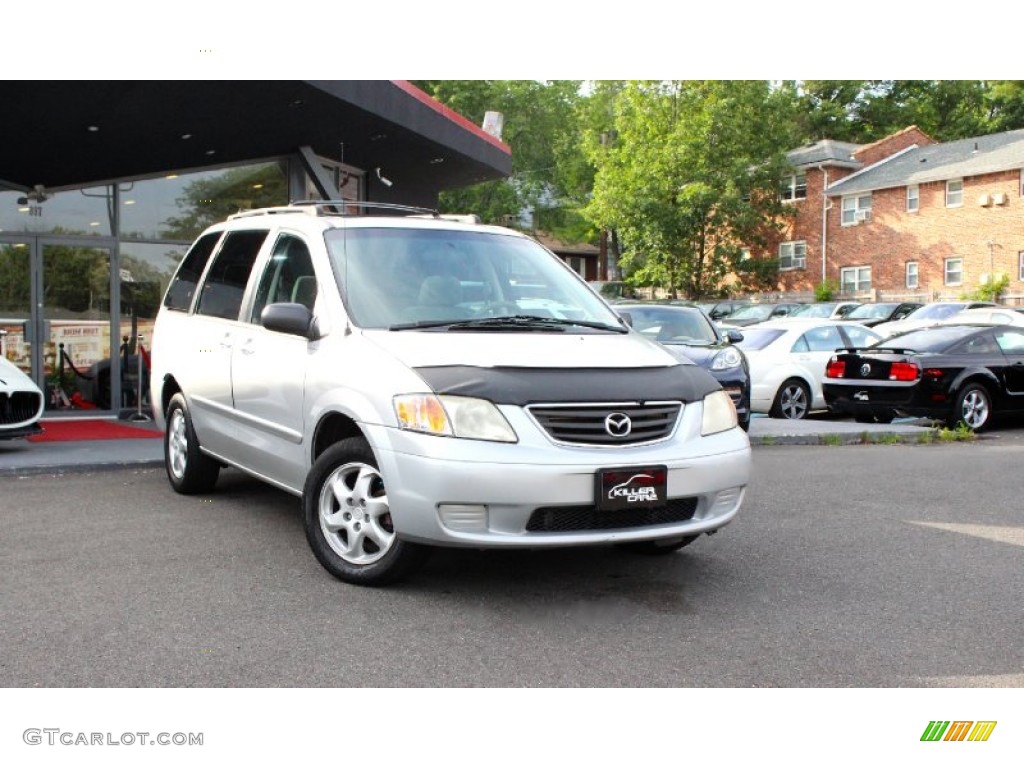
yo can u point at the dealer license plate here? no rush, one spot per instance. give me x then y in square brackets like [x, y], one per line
[631, 488]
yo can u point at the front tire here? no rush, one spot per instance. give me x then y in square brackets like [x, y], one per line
[792, 401]
[189, 469]
[348, 519]
[973, 407]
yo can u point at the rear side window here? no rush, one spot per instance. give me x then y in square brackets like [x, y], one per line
[183, 286]
[225, 283]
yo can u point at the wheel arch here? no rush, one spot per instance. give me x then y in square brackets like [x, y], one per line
[330, 429]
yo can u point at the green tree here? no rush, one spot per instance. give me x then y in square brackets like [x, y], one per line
[691, 176]
[540, 129]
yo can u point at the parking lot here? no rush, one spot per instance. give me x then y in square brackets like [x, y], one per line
[849, 566]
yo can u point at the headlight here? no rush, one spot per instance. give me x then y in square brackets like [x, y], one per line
[719, 414]
[452, 416]
[727, 358]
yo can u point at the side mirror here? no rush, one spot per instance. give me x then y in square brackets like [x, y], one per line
[733, 336]
[294, 319]
[626, 318]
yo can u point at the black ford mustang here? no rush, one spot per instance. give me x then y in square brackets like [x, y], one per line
[952, 373]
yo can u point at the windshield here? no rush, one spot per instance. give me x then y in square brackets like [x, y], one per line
[871, 312]
[813, 310]
[392, 277]
[935, 339]
[753, 312]
[935, 311]
[681, 325]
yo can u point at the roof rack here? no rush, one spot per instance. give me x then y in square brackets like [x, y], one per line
[344, 205]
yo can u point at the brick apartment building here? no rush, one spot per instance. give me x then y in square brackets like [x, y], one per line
[905, 217]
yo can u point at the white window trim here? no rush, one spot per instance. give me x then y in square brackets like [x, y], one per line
[856, 209]
[917, 274]
[945, 270]
[959, 204]
[793, 186]
[856, 282]
[913, 201]
[793, 257]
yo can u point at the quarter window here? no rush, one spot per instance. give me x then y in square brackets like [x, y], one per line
[911, 274]
[856, 209]
[228, 275]
[913, 198]
[954, 272]
[954, 193]
[854, 279]
[793, 255]
[183, 286]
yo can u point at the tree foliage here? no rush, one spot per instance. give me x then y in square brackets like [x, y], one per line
[692, 173]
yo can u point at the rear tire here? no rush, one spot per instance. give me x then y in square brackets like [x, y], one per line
[348, 519]
[188, 468]
[973, 407]
[792, 401]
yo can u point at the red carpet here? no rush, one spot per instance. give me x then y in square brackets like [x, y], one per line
[92, 429]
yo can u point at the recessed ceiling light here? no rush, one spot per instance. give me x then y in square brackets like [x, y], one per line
[94, 223]
[171, 176]
[129, 202]
[186, 136]
[437, 161]
[211, 151]
[24, 209]
[93, 128]
[257, 186]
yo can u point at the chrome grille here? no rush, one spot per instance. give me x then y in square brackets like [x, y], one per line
[585, 424]
[18, 407]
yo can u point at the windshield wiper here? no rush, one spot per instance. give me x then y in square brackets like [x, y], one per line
[531, 323]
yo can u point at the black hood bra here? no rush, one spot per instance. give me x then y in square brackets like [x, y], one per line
[525, 386]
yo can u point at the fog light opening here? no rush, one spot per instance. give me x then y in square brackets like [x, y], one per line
[463, 517]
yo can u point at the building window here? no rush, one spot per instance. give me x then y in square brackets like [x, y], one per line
[856, 209]
[913, 198]
[854, 279]
[911, 274]
[954, 193]
[794, 187]
[954, 271]
[1020, 266]
[793, 255]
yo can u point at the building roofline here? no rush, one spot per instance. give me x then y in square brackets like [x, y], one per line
[451, 114]
[832, 191]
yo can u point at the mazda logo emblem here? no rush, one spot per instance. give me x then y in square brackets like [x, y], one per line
[618, 424]
[865, 369]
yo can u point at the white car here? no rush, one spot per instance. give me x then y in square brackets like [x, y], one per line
[929, 314]
[419, 381]
[831, 310]
[787, 360]
[21, 403]
[994, 315]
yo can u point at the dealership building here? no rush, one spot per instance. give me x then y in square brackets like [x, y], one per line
[104, 184]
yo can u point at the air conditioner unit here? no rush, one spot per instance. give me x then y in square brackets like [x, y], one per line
[984, 200]
[999, 198]
[862, 216]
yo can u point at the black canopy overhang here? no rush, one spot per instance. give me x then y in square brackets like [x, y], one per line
[139, 128]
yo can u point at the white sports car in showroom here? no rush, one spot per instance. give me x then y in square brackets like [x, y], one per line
[21, 403]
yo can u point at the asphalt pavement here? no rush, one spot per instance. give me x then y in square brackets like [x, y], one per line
[23, 457]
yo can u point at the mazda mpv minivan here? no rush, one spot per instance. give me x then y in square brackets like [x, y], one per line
[421, 381]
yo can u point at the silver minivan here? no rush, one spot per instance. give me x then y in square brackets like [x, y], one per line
[424, 381]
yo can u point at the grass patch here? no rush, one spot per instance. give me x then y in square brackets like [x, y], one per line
[889, 438]
[959, 434]
[831, 440]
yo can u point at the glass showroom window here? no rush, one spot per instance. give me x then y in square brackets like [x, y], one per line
[954, 271]
[854, 279]
[913, 198]
[911, 274]
[856, 209]
[794, 187]
[793, 255]
[954, 193]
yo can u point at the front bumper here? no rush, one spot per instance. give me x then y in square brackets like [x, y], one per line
[476, 494]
